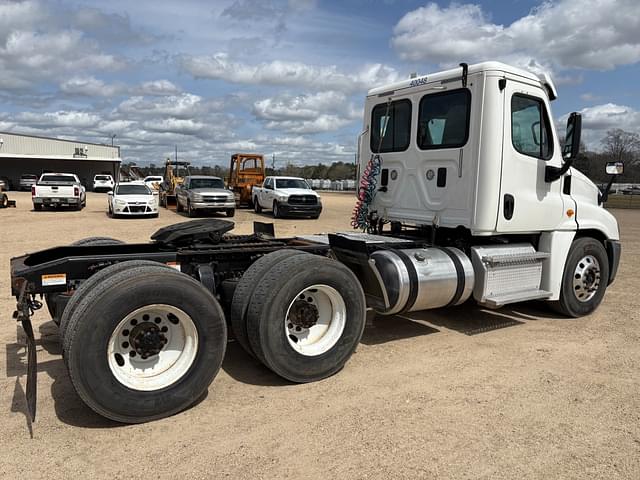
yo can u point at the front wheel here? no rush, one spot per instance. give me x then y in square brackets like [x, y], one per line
[276, 210]
[190, 210]
[585, 278]
[144, 344]
[256, 206]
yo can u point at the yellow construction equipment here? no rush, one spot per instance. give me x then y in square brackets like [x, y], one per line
[174, 173]
[245, 171]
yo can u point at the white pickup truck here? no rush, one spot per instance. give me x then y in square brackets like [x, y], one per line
[286, 196]
[58, 190]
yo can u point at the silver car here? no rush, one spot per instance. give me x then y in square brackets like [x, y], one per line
[204, 193]
[27, 181]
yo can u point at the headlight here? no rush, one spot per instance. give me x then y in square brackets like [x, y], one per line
[197, 197]
[283, 198]
[122, 203]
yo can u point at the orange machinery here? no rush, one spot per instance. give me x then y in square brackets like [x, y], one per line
[245, 171]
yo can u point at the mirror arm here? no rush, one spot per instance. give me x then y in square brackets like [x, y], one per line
[604, 196]
[551, 174]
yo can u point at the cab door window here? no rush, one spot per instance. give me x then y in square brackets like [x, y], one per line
[530, 127]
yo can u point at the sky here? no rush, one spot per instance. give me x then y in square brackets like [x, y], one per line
[289, 77]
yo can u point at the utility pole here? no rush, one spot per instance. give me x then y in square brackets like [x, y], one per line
[112, 137]
[176, 154]
[273, 163]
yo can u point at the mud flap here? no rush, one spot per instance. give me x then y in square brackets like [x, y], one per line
[32, 369]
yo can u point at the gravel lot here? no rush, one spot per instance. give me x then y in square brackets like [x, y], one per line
[456, 393]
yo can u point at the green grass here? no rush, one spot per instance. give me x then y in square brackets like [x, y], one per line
[623, 201]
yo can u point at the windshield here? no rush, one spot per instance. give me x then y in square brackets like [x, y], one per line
[291, 183]
[133, 190]
[206, 183]
[103, 177]
[57, 179]
[153, 179]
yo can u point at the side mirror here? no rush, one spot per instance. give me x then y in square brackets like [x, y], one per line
[570, 149]
[155, 193]
[614, 168]
[110, 193]
[572, 137]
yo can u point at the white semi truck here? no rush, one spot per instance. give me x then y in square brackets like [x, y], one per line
[465, 191]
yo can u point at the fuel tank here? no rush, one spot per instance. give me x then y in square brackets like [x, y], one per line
[422, 278]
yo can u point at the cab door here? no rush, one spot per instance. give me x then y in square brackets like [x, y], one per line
[527, 202]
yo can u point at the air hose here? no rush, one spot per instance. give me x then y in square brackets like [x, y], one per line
[366, 192]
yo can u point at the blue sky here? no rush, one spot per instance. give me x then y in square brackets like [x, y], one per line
[288, 77]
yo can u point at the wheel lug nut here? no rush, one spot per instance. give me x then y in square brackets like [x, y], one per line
[132, 353]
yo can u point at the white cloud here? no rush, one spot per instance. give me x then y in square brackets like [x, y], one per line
[158, 87]
[185, 105]
[597, 120]
[90, 86]
[313, 113]
[62, 118]
[285, 73]
[590, 34]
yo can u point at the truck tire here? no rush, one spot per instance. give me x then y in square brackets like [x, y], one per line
[51, 298]
[145, 344]
[4, 201]
[276, 210]
[95, 279]
[37, 207]
[190, 211]
[306, 317]
[178, 206]
[230, 212]
[584, 280]
[256, 205]
[244, 291]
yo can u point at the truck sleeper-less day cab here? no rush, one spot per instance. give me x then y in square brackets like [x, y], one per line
[464, 192]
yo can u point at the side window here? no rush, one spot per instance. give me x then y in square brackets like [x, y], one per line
[443, 119]
[530, 127]
[391, 127]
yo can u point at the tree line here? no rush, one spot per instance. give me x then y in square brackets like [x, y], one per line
[335, 171]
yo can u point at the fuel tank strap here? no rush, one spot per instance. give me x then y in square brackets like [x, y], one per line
[459, 272]
[413, 279]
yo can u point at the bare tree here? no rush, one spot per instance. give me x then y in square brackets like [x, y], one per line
[621, 146]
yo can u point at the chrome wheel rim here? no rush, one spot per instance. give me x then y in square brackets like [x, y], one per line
[315, 320]
[586, 278]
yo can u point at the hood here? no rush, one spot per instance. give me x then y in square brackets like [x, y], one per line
[211, 191]
[134, 198]
[582, 188]
[297, 191]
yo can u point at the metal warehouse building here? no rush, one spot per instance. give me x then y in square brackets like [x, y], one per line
[21, 154]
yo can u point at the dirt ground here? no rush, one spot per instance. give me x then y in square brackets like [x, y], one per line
[456, 393]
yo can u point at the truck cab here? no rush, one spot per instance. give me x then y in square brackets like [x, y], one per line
[471, 155]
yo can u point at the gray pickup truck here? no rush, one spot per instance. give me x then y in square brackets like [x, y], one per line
[204, 193]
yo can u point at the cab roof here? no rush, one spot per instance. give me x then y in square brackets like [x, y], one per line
[456, 73]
